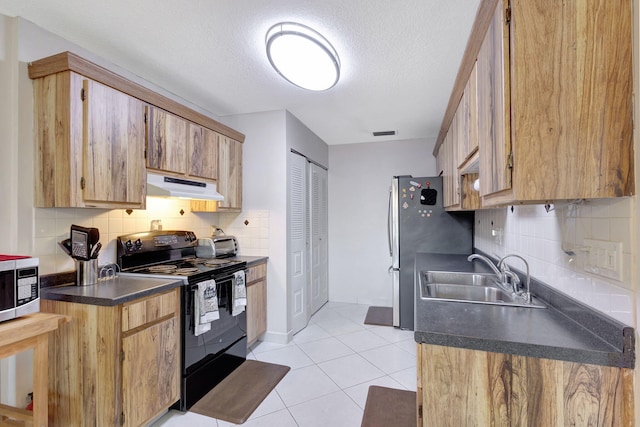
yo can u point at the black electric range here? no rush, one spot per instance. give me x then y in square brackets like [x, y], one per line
[208, 357]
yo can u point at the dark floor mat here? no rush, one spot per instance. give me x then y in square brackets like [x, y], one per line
[389, 407]
[238, 395]
[382, 316]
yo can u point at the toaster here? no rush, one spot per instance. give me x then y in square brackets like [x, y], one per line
[217, 247]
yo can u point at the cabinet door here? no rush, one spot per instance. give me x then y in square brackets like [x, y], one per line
[150, 371]
[450, 181]
[468, 120]
[230, 174]
[494, 123]
[256, 310]
[167, 143]
[203, 152]
[113, 145]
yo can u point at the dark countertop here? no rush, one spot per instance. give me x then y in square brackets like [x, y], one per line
[110, 292]
[121, 289]
[252, 260]
[565, 330]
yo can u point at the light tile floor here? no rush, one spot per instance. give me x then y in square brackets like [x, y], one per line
[333, 362]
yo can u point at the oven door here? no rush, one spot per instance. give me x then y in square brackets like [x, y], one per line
[209, 357]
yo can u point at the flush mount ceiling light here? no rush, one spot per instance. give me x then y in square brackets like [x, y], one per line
[302, 56]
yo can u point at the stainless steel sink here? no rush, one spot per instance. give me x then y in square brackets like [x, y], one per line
[468, 287]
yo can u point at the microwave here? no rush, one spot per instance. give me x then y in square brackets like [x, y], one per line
[19, 286]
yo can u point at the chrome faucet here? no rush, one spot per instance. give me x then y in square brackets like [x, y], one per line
[487, 261]
[502, 265]
[501, 274]
[505, 276]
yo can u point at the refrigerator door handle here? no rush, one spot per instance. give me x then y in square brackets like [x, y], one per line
[390, 222]
[389, 216]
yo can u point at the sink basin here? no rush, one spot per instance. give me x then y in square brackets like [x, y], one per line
[468, 287]
[466, 292]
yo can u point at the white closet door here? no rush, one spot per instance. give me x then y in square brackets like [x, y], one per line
[297, 262]
[318, 196]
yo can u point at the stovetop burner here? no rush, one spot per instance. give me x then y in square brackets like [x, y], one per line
[170, 253]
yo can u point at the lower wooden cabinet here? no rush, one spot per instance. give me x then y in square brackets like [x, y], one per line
[256, 302]
[115, 365]
[459, 387]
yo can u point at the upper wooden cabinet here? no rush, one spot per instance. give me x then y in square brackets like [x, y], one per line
[167, 141]
[468, 120]
[457, 158]
[230, 174]
[181, 147]
[229, 182]
[90, 144]
[554, 99]
[92, 152]
[448, 156]
[202, 152]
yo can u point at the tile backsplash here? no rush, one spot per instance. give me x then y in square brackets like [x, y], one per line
[553, 244]
[52, 226]
[251, 227]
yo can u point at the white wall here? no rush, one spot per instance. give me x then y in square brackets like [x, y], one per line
[264, 190]
[8, 134]
[269, 136]
[301, 139]
[359, 180]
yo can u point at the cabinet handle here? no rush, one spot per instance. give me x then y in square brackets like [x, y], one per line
[82, 183]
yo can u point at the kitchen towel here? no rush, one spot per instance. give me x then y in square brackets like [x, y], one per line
[239, 293]
[205, 306]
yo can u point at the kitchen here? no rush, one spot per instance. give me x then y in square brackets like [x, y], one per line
[528, 230]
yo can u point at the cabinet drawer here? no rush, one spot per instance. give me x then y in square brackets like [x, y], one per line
[141, 312]
[256, 272]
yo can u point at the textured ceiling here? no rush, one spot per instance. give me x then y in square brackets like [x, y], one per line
[399, 57]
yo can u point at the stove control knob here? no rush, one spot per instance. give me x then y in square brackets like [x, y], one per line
[138, 245]
[128, 246]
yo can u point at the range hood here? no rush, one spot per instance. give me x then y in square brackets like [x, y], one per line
[168, 186]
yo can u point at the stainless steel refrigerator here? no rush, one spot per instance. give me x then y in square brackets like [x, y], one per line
[418, 223]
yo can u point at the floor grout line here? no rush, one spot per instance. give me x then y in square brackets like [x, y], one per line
[328, 315]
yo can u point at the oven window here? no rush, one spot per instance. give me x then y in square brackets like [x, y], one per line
[7, 289]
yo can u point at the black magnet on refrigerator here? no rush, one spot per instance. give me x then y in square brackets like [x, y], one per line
[428, 196]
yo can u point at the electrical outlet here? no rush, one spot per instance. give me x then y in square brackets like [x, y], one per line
[603, 258]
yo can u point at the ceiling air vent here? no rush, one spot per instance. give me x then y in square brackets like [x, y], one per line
[385, 133]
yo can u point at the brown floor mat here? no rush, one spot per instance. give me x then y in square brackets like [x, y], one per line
[389, 407]
[238, 395]
[382, 316]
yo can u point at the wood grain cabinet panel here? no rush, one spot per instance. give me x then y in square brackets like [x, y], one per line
[229, 182]
[202, 152]
[230, 174]
[572, 109]
[90, 143]
[460, 387]
[150, 372]
[494, 105]
[554, 87]
[256, 302]
[113, 135]
[167, 142]
[116, 365]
